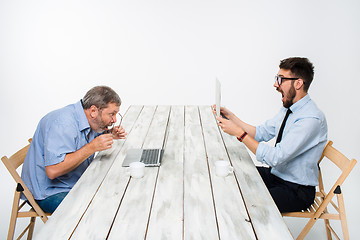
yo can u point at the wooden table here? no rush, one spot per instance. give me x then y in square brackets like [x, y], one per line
[182, 199]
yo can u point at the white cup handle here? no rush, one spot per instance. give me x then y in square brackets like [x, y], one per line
[231, 169]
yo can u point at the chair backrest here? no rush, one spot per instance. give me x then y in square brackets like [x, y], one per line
[12, 164]
[339, 159]
[16, 160]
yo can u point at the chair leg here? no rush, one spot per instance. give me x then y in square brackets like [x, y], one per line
[306, 229]
[31, 228]
[327, 226]
[328, 232]
[344, 225]
[14, 214]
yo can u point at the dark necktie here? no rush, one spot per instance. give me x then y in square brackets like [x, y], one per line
[282, 126]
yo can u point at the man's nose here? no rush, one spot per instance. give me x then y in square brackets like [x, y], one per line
[276, 84]
[113, 119]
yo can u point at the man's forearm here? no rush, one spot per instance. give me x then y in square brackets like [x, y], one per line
[71, 161]
[251, 130]
[251, 144]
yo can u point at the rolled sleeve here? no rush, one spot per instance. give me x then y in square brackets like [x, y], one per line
[264, 133]
[60, 140]
[261, 152]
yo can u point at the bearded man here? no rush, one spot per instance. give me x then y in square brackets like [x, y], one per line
[300, 129]
[65, 142]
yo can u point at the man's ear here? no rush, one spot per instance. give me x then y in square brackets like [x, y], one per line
[299, 84]
[93, 111]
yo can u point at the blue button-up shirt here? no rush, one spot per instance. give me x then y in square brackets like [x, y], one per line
[62, 131]
[295, 157]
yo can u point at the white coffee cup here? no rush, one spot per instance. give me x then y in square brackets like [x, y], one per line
[223, 168]
[136, 169]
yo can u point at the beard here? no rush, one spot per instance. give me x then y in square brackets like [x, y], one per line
[102, 126]
[289, 98]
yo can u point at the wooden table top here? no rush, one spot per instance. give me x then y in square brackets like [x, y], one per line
[181, 199]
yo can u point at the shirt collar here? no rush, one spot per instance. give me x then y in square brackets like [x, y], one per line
[81, 117]
[299, 104]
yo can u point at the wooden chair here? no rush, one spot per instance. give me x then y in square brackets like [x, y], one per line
[12, 164]
[319, 208]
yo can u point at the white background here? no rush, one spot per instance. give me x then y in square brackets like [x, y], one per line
[170, 52]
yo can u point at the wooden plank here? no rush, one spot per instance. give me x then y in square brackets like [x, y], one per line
[232, 216]
[264, 215]
[97, 220]
[132, 218]
[68, 214]
[199, 214]
[166, 219]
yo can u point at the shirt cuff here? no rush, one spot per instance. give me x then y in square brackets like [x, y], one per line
[54, 159]
[260, 152]
[257, 134]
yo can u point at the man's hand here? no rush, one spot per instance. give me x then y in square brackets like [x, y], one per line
[102, 142]
[230, 127]
[223, 111]
[118, 132]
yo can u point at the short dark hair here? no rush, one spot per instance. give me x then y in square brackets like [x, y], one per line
[100, 96]
[300, 68]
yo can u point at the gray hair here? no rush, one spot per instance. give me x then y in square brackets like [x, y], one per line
[100, 96]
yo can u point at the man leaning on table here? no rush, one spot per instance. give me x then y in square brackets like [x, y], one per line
[65, 142]
[301, 132]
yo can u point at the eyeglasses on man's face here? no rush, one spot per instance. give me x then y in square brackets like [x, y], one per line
[280, 79]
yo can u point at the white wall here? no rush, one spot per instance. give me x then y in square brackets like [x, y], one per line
[52, 52]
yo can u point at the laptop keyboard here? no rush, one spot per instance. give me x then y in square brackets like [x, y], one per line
[150, 156]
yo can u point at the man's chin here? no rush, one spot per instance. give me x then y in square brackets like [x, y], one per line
[100, 130]
[287, 104]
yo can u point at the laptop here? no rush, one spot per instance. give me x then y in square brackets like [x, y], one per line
[217, 96]
[150, 157]
[218, 99]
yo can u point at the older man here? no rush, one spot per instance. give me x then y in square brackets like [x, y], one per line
[64, 144]
[300, 129]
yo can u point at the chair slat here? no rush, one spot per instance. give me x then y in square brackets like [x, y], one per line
[312, 208]
[317, 202]
[319, 194]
